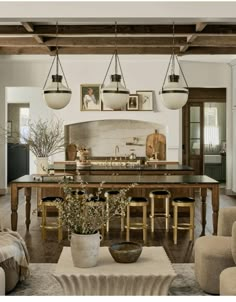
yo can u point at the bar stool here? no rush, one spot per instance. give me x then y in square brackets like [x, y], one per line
[183, 202]
[108, 194]
[160, 194]
[137, 202]
[46, 203]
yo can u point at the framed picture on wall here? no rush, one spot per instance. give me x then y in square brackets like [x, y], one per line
[133, 102]
[145, 100]
[90, 99]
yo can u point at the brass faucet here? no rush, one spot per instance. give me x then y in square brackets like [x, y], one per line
[117, 150]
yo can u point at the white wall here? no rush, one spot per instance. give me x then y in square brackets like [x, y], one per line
[141, 73]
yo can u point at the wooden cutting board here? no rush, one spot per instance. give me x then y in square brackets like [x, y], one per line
[156, 143]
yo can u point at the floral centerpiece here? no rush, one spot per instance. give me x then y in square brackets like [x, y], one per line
[84, 214]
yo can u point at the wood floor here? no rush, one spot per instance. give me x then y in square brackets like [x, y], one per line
[49, 250]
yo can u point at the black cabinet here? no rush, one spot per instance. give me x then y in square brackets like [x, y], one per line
[18, 161]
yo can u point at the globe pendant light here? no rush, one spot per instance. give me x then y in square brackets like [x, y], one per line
[57, 95]
[174, 96]
[115, 96]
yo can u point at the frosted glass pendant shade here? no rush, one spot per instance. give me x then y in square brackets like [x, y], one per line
[115, 96]
[173, 95]
[56, 95]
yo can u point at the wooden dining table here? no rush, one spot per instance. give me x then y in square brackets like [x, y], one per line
[201, 182]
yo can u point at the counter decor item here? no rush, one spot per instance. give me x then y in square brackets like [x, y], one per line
[84, 214]
[83, 153]
[125, 252]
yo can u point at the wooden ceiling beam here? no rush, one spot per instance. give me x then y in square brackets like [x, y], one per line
[199, 27]
[157, 29]
[28, 26]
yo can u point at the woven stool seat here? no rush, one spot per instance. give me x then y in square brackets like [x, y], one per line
[138, 199]
[97, 199]
[52, 199]
[159, 192]
[183, 199]
[78, 192]
[112, 192]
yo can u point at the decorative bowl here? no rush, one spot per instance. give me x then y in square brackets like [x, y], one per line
[125, 252]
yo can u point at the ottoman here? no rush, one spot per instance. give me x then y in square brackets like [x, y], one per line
[228, 282]
[212, 255]
[2, 282]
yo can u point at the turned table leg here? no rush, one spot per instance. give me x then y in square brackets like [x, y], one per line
[215, 207]
[203, 199]
[27, 206]
[14, 207]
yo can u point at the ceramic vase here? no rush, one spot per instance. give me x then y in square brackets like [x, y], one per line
[85, 249]
[42, 165]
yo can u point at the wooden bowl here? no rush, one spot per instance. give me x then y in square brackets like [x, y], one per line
[125, 252]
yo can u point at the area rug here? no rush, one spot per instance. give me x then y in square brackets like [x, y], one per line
[42, 283]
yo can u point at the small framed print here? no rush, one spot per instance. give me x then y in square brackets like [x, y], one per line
[90, 99]
[133, 102]
[145, 100]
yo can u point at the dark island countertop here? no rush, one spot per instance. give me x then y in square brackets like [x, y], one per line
[170, 167]
[159, 169]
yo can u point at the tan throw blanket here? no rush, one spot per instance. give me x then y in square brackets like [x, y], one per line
[13, 252]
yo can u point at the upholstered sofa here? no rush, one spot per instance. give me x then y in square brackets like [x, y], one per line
[14, 260]
[214, 254]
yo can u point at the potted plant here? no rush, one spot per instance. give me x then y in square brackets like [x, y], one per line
[44, 138]
[83, 215]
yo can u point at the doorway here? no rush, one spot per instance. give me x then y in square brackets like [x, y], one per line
[17, 151]
[204, 132]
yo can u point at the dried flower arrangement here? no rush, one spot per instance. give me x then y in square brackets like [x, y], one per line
[83, 214]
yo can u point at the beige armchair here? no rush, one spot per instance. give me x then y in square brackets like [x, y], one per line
[214, 254]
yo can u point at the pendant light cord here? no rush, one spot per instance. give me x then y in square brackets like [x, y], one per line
[58, 63]
[172, 61]
[117, 61]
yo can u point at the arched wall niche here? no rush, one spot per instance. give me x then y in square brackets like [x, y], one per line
[102, 136]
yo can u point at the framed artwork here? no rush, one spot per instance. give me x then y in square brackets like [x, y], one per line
[133, 102]
[145, 100]
[9, 128]
[90, 99]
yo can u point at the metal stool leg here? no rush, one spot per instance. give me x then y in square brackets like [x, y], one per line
[152, 215]
[175, 224]
[167, 214]
[107, 211]
[191, 230]
[128, 224]
[145, 224]
[44, 213]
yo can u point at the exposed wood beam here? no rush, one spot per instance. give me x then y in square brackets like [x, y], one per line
[200, 26]
[28, 26]
[95, 41]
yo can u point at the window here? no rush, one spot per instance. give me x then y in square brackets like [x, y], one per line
[24, 119]
[211, 129]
